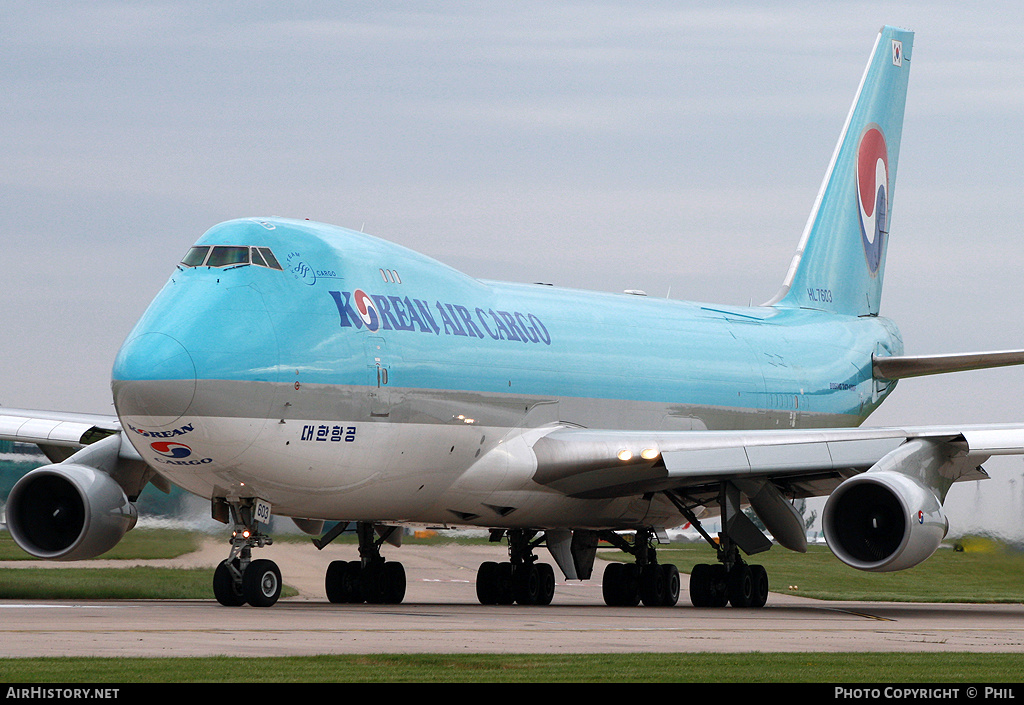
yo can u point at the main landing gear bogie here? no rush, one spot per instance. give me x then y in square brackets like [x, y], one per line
[644, 581]
[717, 586]
[376, 582]
[731, 581]
[630, 584]
[507, 583]
[522, 579]
[370, 579]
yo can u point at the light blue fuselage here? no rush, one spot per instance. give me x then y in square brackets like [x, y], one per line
[310, 386]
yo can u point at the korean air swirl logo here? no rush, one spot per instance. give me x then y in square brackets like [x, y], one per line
[171, 450]
[873, 194]
[367, 310]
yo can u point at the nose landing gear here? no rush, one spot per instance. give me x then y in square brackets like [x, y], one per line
[239, 580]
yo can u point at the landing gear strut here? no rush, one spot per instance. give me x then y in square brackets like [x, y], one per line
[370, 579]
[522, 579]
[239, 579]
[646, 580]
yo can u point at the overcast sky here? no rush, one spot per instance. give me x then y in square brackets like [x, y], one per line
[672, 147]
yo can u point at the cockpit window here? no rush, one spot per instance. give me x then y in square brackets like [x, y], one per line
[257, 258]
[226, 256]
[195, 257]
[230, 256]
[269, 257]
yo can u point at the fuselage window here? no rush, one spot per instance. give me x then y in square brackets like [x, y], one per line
[195, 257]
[227, 256]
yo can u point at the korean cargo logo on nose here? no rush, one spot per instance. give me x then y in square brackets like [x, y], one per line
[171, 450]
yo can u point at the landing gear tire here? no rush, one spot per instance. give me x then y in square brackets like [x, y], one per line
[672, 585]
[342, 581]
[226, 589]
[759, 578]
[394, 583]
[487, 583]
[740, 586]
[547, 584]
[708, 585]
[261, 583]
[333, 582]
[526, 584]
[652, 585]
[371, 583]
[611, 583]
[620, 585]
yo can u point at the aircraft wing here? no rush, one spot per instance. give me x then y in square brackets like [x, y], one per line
[589, 463]
[58, 434]
[697, 469]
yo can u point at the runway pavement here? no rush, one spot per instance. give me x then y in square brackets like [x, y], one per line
[441, 615]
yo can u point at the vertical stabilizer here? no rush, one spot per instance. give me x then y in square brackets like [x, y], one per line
[839, 264]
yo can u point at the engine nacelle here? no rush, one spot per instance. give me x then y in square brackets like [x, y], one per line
[68, 512]
[883, 521]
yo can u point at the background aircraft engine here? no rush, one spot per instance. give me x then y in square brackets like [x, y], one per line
[68, 512]
[883, 521]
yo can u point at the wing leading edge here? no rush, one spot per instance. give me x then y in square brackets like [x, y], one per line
[59, 435]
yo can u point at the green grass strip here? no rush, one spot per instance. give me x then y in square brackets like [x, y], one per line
[531, 668]
[140, 543]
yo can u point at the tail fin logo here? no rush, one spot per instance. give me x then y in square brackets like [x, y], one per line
[873, 194]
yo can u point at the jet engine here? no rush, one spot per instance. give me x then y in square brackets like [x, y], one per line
[883, 521]
[68, 512]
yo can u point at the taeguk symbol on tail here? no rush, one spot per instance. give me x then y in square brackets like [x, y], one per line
[873, 193]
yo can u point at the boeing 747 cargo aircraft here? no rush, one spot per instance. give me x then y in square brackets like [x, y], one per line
[302, 370]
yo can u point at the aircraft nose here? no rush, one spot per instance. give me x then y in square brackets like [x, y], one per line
[155, 376]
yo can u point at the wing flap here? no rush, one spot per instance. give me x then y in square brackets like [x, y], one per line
[994, 441]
